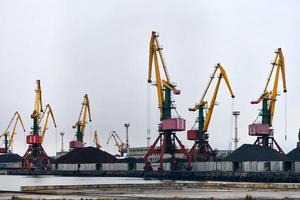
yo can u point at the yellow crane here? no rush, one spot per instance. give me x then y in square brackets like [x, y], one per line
[201, 147]
[96, 140]
[35, 139]
[168, 125]
[118, 142]
[268, 98]
[9, 135]
[81, 123]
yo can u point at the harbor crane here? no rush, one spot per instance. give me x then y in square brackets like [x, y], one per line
[35, 156]
[264, 129]
[122, 147]
[201, 148]
[168, 125]
[96, 140]
[9, 134]
[81, 124]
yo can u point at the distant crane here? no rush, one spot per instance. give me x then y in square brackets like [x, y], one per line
[35, 156]
[201, 148]
[263, 130]
[9, 135]
[122, 148]
[96, 140]
[81, 124]
[168, 126]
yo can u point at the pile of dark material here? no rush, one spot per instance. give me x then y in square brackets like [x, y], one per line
[86, 155]
[131, 160]
[9, 158]
[249, 152]
[294, 155]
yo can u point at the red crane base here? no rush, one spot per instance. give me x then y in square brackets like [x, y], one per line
[35, 157]
[202, 150]
[268, 142]
[166, 139]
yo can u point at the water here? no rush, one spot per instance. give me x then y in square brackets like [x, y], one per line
[13, 183]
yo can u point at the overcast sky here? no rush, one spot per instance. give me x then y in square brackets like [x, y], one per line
[101, 48]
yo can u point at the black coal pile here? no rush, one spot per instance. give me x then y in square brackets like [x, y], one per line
[87, 155]
[294, 155]
[250, 152]
[9, 158]
[131, 160]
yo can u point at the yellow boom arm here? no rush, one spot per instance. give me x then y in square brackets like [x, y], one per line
[85, 110]
[38, 105]
[153, 57]
[202, 102]
[16, 118]
[96, 140]
[48, 112]
[280, 64]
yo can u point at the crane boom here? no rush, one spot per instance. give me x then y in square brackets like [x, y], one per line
[48, 112]
[82, 119]
[270, 96]
[7, 133]
[202, 102]
[160, 84]
[96, 140]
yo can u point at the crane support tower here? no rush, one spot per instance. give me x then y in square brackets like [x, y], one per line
[168, 126]
[201, 149]
[35, 156]
[81, 124]
[263, 130]
[9, 135]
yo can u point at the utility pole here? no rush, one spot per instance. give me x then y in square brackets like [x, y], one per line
[127, 144]
[62, 141]
[235, 139]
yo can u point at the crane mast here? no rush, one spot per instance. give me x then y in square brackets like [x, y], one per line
[9, 135]
[264, 130]
[168, 125]
[81, 124]
[201, 148]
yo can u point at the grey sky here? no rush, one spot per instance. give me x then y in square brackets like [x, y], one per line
[101, 48]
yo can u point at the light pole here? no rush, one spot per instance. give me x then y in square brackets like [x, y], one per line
[235, 139]
[62, 141]
[127, 144]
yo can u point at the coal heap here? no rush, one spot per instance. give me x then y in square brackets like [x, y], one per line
[86, 155]
[250, 152]
[294, 155]
[9, 158]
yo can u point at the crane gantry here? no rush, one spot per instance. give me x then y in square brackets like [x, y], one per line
[201, 148]
[122, 147]
[264, 130]
[81, 124]
[9, 134]
[168, 125]
[35, 155]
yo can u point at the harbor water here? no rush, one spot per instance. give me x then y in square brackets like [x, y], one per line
[13, 183]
